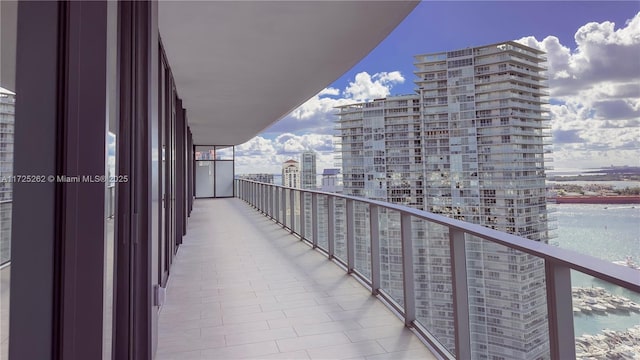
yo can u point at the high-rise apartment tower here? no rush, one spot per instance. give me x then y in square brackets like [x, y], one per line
[470, 145]
[291, 174]
[308, 160]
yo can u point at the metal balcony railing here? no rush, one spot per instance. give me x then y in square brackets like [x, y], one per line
[420, 264]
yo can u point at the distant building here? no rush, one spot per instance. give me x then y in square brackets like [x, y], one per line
[264, 178]
[206, 155]
[308, 160]
[331, 181]
[7, 120]
[291, 174]
[469, 144]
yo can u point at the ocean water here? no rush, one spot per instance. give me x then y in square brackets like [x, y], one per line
[609, 232]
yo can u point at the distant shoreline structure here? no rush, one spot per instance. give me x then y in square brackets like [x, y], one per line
[586, 199]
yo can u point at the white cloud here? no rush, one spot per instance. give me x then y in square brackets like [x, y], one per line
[261, 155]
[595, 92]
[329, 91]
[316, 115]
[256, 146]
[366, 87]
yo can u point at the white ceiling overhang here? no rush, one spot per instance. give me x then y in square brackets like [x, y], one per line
[240, 66]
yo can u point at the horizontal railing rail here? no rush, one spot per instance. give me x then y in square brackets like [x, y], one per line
[289, 207]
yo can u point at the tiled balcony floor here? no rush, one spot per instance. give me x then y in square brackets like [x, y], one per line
[243, 287]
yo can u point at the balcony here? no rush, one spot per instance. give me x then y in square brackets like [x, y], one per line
[419, 265]
[243, 287]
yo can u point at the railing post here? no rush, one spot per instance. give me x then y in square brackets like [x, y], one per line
[457, 251]
[314, 219]
[292, 214]
[374, 233]
[331, 226]
[407, 270]
[302, 232]
[560, 311]
[351, 246]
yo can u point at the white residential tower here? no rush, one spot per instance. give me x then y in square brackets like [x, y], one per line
[470, 144]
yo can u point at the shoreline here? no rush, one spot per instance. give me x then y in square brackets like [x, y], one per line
[586, 199]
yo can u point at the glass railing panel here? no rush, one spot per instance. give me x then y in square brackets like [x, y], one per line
[296, 210]
[281, 205]
[308, 216]
[362, 238]
[268, 205]
[507, 302]
[323, 222]
[275, 206]
[432, 277]
[391, 278]
[606, 319]
[287, 211]
[340, 230]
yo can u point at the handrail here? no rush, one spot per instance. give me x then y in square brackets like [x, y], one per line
[619, 275]
[558, 262]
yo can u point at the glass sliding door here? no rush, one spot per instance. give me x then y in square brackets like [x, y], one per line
[223, 179]
[214, 168]
[224, 171]
[205, 171]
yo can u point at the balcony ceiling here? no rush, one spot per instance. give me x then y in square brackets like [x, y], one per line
[241, 66]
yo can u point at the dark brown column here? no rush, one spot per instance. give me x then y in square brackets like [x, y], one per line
[134, 321]
[35, 231]
[58, 222]
[83, 140]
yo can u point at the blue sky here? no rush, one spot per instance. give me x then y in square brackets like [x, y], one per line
[594, 71]
[436, 26]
